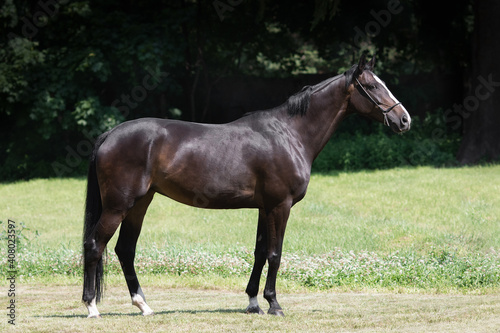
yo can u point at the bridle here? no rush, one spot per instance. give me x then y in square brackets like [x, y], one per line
[377, 104]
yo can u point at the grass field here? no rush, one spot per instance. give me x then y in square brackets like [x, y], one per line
[402, 237]
[383, 211]
[51, 308]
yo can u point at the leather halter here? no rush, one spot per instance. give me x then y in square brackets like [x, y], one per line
[384, 111]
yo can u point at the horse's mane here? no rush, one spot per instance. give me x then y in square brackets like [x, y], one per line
[298, 103]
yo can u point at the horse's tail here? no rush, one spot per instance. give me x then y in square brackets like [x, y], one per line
[93, 210]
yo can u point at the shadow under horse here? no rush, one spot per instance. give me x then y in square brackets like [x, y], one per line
[262, 160]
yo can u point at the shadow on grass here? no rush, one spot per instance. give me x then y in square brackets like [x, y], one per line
[110, 314]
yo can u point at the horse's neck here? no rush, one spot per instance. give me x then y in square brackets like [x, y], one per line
[327, 108]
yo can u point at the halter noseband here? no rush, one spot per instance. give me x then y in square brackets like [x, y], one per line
[384, 111]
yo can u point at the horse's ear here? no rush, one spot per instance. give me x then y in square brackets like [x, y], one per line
[356, 70]
[371, 64]
[362, 63]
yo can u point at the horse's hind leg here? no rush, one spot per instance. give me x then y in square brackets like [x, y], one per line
[125, 249]
[94, 247]
[260, 260]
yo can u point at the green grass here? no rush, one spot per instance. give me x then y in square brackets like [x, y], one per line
[57, 308]
[433, 223]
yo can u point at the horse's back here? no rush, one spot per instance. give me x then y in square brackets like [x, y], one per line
[214, 166]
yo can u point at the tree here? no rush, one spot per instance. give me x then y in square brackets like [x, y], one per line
[70, 70]
[481, 108]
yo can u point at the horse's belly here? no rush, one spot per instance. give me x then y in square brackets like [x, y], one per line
[205, 192]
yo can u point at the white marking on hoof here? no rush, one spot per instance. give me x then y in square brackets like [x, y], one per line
[254, 303]
[138, 301]
[92, 308]
[253, 307]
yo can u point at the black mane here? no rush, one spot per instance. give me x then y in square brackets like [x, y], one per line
[298, 103]
[350, 74]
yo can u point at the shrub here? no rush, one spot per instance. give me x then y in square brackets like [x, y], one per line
[379, 148]
[441, 268]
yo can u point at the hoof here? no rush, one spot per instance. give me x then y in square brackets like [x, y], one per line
[254, 310]
[276, 312]
[98, 316]
[139, 301]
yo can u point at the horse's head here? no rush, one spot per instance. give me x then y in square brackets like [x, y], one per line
[369, 96]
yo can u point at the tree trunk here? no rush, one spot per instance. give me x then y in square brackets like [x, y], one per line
[481, 108]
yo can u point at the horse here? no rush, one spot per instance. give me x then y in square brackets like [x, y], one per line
[261, 161]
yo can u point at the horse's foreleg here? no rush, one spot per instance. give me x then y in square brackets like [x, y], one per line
[276, 224]
[125, 250]
[260, 260]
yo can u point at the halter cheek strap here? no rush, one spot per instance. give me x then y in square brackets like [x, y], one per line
[384, 111]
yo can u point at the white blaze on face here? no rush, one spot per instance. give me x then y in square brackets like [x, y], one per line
[392, 97]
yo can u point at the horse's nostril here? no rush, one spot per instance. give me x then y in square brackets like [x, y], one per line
[404, 119]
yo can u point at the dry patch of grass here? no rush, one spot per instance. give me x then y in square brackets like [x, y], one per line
[51, 308]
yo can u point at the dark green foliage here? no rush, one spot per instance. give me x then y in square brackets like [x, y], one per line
[65, 81]
[81, 67]
[356, 149]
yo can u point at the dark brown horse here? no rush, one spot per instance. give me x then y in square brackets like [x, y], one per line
[262, 160]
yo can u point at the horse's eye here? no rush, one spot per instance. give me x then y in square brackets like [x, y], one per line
[372, 87]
